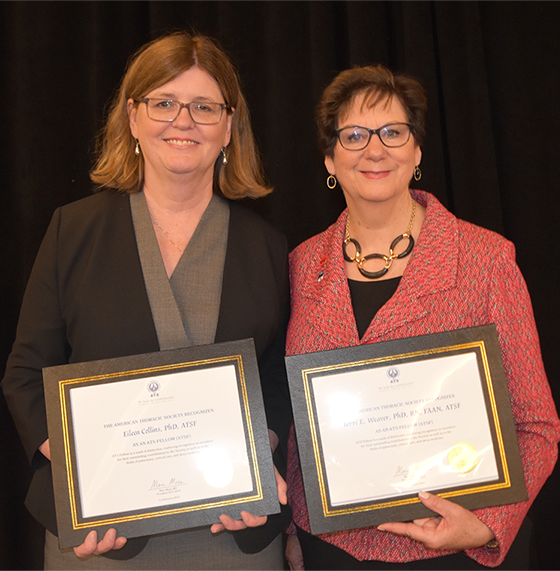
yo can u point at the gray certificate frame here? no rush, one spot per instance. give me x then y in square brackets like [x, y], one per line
[59, 380]
[483, 341]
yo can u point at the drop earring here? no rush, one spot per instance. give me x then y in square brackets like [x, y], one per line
[224, 157]
[137, 148]
[417, 173]
[331, 181]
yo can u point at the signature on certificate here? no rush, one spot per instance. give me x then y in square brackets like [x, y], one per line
[405, 473]
[173, 483]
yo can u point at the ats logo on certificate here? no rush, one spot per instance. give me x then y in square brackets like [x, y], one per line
[393, 373]
[394, 378]
[153, 387]
[158, 392]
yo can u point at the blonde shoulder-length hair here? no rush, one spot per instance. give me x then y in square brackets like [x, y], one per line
[156, 63]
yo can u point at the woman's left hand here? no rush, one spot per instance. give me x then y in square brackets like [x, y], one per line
[250, 520]
[455, 528]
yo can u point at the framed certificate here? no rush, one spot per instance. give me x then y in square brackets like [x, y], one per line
[378, 423]
[158, 442]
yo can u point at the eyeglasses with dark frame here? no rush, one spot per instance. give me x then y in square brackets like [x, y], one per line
[167, 110]
[357, 138]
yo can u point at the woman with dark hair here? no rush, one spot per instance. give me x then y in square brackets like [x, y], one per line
[160, 257]
[397, 264]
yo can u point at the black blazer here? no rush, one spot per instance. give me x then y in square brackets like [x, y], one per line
[86, 300]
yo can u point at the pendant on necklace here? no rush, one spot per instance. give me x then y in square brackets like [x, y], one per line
[360, 260]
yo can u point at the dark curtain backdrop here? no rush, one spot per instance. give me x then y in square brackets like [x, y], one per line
[492, 152]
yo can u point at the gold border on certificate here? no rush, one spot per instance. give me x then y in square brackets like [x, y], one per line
[64, 387]
[307, 373]
[507, 487]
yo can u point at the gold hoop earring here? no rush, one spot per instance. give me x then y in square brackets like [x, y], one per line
[224, 157]
[137, 149]
[417, 173]
[331, 181]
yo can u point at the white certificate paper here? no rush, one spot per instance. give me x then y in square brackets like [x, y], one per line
[397, 430]
[168, 446]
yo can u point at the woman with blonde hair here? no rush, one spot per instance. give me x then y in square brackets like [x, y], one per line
[160, 257]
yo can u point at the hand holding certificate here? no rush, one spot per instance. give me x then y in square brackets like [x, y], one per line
[455, 528]
[377, 424]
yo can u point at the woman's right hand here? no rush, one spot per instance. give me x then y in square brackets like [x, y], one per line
[91, 547]
[294, 554]
[456, 528]
[45, 449]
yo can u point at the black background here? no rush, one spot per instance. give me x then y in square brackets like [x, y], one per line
[491, 155]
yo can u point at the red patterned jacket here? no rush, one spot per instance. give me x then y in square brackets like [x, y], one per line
[459, 275]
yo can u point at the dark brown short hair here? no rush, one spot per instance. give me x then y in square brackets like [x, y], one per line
[154, 64]
[376, 84]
